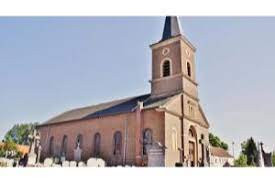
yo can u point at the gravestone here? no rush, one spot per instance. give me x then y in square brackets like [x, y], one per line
[156, 156]
[62, 159]
[92, 162]
[34, 139]
[56, 165]
[260, 162]
[56, 160]
[48, 162]
[96, 162]
[73, 163]
[10, 162]
[81, 164]
[77, 154]
[100, 162]
[3, 162]
[65, 164]
[206, 146]
[267, 157]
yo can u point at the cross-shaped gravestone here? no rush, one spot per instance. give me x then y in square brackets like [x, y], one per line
[34, 140]
[206, 145]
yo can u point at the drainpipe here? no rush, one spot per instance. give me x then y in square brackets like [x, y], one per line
[138, 133]
[182, 131]
[125, 140]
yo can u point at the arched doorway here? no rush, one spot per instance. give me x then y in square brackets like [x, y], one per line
[193, 158]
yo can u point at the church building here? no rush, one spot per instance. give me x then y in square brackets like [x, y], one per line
[122, 132]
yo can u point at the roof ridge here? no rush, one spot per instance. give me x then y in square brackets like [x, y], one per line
[95, 105]
[107, 102]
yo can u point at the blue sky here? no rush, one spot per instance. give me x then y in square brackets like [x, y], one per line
[51, 64]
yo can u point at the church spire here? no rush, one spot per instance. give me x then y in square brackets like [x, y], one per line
[172, 27]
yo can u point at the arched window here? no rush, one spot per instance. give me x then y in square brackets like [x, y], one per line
[174, 139]
[79, 141]
[191, 133]
[97, 139]
[166, 68]
[147, 140]
[64, 146]
[51, 146]
[188, 69]
[117, 143]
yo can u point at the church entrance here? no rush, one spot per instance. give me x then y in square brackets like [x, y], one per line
[192, 156]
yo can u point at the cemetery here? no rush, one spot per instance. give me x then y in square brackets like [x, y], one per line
[32, 159]
[155, 157]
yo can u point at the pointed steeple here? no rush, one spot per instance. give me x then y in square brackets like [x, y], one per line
[172, 27]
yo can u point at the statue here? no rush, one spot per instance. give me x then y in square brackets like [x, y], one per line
[205, 161]
[267, 157]
[260, 161]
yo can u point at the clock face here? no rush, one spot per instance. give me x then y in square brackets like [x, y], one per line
[165, 51]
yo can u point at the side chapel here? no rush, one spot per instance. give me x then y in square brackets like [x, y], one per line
[122, 131]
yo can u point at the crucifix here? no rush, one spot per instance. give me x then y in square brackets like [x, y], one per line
[205, 153]
[34, 139]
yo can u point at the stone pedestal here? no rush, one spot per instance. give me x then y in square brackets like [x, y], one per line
[156, 156]
[32, 159]
[77, 154]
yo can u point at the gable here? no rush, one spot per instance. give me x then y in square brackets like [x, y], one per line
[174, 105]
[202, 117]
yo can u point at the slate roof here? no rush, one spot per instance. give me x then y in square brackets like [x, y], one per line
[109, 108]
[172, 27]
[219, 152]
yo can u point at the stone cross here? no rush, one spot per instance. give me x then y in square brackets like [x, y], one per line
[206, 147]
[34, 139]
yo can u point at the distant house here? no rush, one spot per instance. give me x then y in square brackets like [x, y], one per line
[220, 157]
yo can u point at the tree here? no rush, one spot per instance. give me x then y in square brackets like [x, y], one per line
[216, 142]
[224, 146]
[249, 149]
[9, 149]
[2, 152]
[19, 133]
[9, 146]
[241, 161]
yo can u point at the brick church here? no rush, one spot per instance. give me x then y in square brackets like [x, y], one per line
[123, 131]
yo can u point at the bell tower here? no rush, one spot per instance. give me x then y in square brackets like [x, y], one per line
[173, 63]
